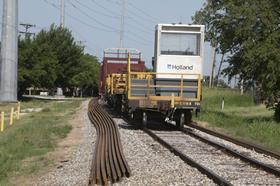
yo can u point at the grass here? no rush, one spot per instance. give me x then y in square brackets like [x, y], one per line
[6, 107]
[240, 118]
[32, 137]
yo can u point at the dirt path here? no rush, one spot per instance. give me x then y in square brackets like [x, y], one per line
[72, 157]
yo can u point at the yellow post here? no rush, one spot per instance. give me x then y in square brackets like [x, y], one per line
[172, 101]
[128, 75]
[112, 84]
[181, 86]
[18, 110]
[2, 121]
[199, 88]
[12, 116]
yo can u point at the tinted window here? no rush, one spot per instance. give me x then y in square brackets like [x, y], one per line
[180, 44]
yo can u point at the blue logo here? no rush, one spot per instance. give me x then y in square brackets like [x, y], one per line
[179, 67]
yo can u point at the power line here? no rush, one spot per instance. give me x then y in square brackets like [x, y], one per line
[122, 24]
[27, 27]
[96, 11]
[135, 22]
[94, 27]
[138, 36]
[139, 42]
[77, 19]
[121, 31]
[14, 26]
[140, 10]
[92, 18]
[103, 7]
[84, 38]
[139, 27]
[136, 15]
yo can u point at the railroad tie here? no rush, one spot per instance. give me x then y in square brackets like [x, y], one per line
[108, 163]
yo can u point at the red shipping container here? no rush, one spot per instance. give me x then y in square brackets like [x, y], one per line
[115, 61]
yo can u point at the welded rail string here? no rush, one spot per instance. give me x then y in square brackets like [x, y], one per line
[108, 163]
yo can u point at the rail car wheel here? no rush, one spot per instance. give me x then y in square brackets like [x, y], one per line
[188, 117]
[118, 103]
[181, 121]
[144, 119]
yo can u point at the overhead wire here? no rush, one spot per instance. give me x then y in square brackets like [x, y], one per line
[105, 8]
[147, 20]
[77, 19]
[139, 36]
[142, 11]
[96, 11]
[91, 26]
[92, 18]
[84, 38]
[130, 24]
[133, 22]
[116, 17]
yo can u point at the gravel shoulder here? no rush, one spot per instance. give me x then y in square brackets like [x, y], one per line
[152, 164]
[248, 152]
[74, 154]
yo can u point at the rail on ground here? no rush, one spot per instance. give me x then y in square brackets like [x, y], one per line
[243, 143]
[109, 163]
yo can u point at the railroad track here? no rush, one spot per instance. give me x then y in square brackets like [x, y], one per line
[108, 163]
[242, 143]
[223, 165]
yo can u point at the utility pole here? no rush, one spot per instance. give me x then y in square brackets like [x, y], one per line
[9, 52]
[220, 67]
[242, 87]
[27, 26]
[62, 13]
[211, 81]
[122, 24]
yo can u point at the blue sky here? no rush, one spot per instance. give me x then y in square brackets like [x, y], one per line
[97, 22]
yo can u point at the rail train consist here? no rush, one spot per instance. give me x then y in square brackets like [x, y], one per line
[172, 91]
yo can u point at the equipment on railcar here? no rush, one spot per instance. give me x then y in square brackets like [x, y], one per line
[172, 91]
[113, 73]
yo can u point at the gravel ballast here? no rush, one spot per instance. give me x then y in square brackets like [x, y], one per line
[76, 169]
[248, 152]
[230, 168]
[152, 164]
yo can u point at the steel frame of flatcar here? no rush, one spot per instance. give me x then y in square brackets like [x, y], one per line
[171, 107]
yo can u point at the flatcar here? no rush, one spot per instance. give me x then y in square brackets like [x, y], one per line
[113, 70]
[172, 92]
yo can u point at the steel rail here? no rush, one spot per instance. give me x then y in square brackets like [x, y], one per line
[216, 178]
[245, 144]
[108, 163]
[234, 153]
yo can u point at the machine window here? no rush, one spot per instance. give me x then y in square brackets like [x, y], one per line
[180, 44]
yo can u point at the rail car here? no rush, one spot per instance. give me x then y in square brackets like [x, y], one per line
[172, 92]
[113, 73]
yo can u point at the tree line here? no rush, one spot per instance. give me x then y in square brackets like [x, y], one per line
[53, 59]
[248, 32]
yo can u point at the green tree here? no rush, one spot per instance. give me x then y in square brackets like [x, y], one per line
[67, 51]
[37, 65]
[53, 59]
[249, 30]
[88, 76]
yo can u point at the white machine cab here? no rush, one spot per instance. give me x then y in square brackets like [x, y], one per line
[178, 50]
